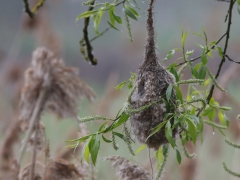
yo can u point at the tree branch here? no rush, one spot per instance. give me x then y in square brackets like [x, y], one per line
[225, 47]
[32, 12]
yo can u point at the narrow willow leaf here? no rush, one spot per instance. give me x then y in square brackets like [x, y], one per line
[110, 24]
[121, 85]
[184, 35]
[97, 19]
[144, 146]
[174, 72]
[156, 129]
[192, 130]
[111, 16]
[168, 134]
[194, 73]
[133, 11]
[86, 14]
[169, 55]
[202, 72]
[221, 118]
[220, 52]
[178, 155]
[103, 127]
[179, 94]
[204, 57]
[105, 139]
[129, 13]
[169, 92]
[116, 17]
[85, 150]
[94, 146]
[124, 117]
[207, 82]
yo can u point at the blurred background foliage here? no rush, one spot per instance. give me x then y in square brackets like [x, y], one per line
[55, 27]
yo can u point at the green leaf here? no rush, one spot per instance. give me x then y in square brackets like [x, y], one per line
[179, 159]
[179, 94]
[133, 11]
[192, 130]
[207, 82]
[105, 139]
[195, 118]
[184, 35]
[111, 16]
[112, 26]
[221, 118]
[94, 147]
[129, 13]
[174, 72]
[168, 134]
[121, 85]
[124, 117]
[144, 146]
[202, 72]
[211, 114]
[86, 14]
[169, 55]
[97, 19]
[165, 150]
[119, 135]
[85, 150]
[103, 127]
[156, 129]
[169, 92]
[194, 73]
[204, 58]
[117, 18]
[220, 52]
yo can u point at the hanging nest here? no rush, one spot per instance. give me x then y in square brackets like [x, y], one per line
[150, 85]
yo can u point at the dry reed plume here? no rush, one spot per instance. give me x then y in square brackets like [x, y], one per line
[49, 85]
[151, 84]
[126, 170]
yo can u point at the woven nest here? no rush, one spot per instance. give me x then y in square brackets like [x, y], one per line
[151, 83]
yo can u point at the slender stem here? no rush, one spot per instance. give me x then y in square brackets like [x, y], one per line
[31, 175]
[34, 118]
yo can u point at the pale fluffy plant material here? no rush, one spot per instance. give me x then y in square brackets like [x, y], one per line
[61, 169]
[127, 170]
[63, 86]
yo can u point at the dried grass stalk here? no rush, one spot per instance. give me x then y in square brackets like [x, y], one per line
[127, 170]
[61, 169]
[151, 83]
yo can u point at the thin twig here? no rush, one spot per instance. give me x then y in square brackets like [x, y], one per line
[83, 44]
[35, 116]
[150, 160]
[86, 39]
[225, 47]
[231, 59]
[194, 59]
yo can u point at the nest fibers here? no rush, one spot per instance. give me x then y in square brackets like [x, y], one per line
[151, 83]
